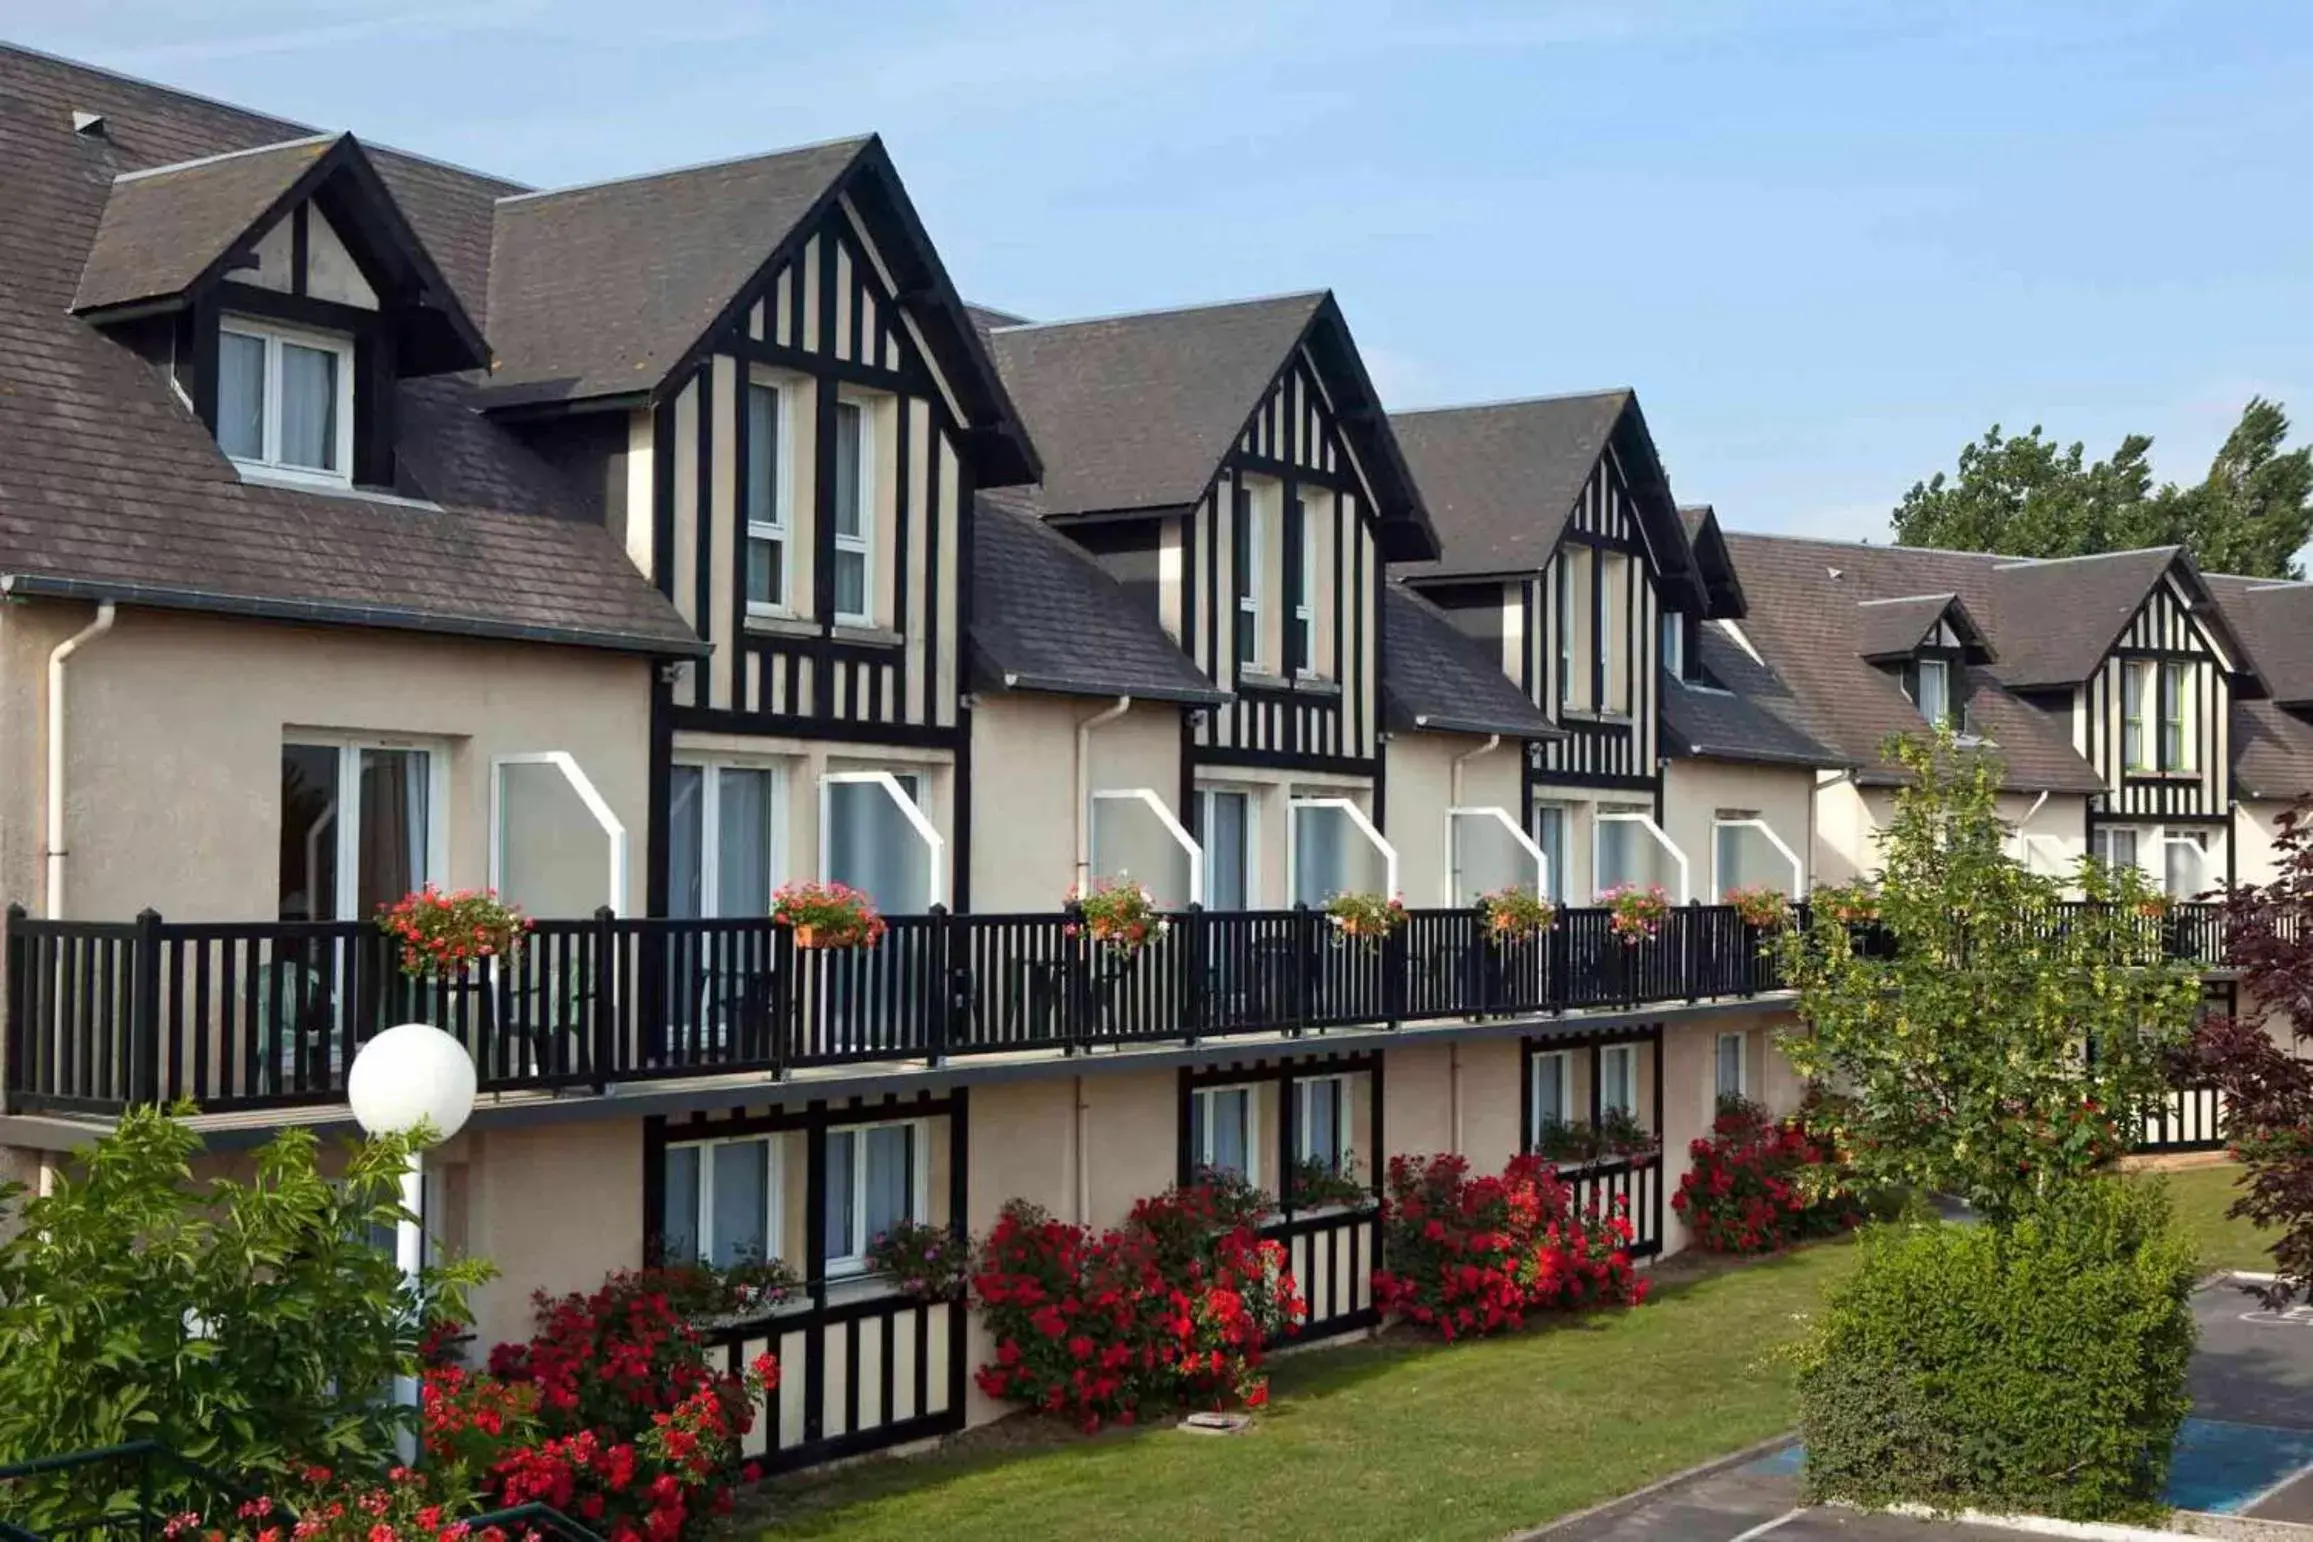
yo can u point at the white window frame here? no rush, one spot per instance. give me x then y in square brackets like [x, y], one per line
[1617, 600]
[2141, 712]
[863, 543]
[345, 816]
[597, 807]
[1251, 601]
[1305, 606]
[2185, 677]
[1606, 816]
[1563, 586]
[1610, 1054]
[1724, 822]
[1564, 1112]
[1742, 1087]
[1204, 1096]
[2102, 844]
[273, 334]
[1302, 1149]
[782, 522]
[711, 769]
[1671, 628]
[1358, 820]
[773, 1184]
[1943, 673]
[1252, 796]
[1152, 800]
[854, 1260]
[1555, 876]
[935, 844]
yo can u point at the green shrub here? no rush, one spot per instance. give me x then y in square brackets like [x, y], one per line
[2036, 1367]
[248, 1325]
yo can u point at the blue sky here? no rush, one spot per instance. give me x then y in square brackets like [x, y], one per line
[1827, 242]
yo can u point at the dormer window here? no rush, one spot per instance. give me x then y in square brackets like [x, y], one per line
[1933, 692]
[1674, 644]
[767, 500]
[285, 399]
[854, 511]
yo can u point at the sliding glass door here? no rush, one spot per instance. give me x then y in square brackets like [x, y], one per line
[358, 828]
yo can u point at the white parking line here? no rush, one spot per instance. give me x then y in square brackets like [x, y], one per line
[1764, 1527]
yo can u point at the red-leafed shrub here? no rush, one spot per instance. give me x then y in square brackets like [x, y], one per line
[1170, 1310]
[1758, 1184]
[1476, 1255]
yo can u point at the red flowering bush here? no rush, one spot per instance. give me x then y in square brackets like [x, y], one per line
[1475, 1255]
[1758, 1185]
[1173, 1308]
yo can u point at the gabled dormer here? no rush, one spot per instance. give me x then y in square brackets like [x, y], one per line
[1231, 465]
[1563, 550]
[762, 375]
[1926, 642]
[284, 295]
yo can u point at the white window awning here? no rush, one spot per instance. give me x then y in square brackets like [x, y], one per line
[1766, 831]
[918, 824]
[1465, 872]
[545, 812]
[1173, 830]
[1357, 820]
[1663, 842]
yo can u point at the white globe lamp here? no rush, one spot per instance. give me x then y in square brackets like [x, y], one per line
[409, 1077]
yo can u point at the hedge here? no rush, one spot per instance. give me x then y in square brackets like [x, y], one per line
[2037, 1367]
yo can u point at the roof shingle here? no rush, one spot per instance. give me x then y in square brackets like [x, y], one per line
[163, 228]
[1439, 680]
[1501, 480]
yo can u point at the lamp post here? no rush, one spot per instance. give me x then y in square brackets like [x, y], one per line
[411, 1076]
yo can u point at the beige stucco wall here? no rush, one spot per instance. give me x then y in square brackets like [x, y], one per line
[1421, 783]
[555, 1207]
[174, 730]
[1847, 817]
[1024, 787]
[1695, 790]
[2255, 828]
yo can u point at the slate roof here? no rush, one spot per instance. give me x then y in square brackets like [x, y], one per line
[1501, 480]
[601, 290]
[1046, 617]
[2272, 752]
[1437, 679]
[1137, 412]
[2057, 619]
[1746, 714]
[1894, 627]
[166, 227]
[1806, 621]
[110, 488]
[2274, 621]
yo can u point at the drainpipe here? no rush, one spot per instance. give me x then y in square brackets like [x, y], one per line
[1454, 1094]
[1084, 728]
[105, 616]
[1083, 1153]
[1454, 800]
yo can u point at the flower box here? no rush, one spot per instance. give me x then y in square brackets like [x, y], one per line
[827, 915]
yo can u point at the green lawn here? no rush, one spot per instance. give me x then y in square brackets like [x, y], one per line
[2202, 1195]
[1391, 1440]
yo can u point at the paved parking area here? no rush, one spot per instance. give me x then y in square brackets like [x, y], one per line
[2246, 1451]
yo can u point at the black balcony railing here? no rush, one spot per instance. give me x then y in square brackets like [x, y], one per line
[100, 1015]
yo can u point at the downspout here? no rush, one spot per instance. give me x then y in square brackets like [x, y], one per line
[1454, 801]
[1084, 728]
[1083, 1159]
[105, 615]
[1454, 1094]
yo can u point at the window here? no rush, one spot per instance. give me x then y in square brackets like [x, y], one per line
[722, 839]
[358, 828]
[1618, 1079]
[1304, 660]
[2137, 684]
[1614, 625]
[1550, 1076]
[767, 500]
[1731, 1072]
[720, 1202]
[1222, 1131]
[1246, 536]
[854, 511]
[1550, 835]
[285, 399]
[1933, 694]
[868, 842]
[875, 1180]
[1564, 599]
[1321, 1120]
[1674, 643]
[2116, 847]
[2185, 864]
[1226, 823]
[2176, 678]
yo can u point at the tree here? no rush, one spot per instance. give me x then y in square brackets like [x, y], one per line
[1994, 1042]
[251, 1326]
[2268, 1091]
[2028, 497]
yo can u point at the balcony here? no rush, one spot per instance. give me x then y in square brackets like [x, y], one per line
[246, 1016]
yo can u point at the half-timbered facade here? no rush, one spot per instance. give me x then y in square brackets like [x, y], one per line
[1564, 554]
[798, 477]
[1230, 466]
